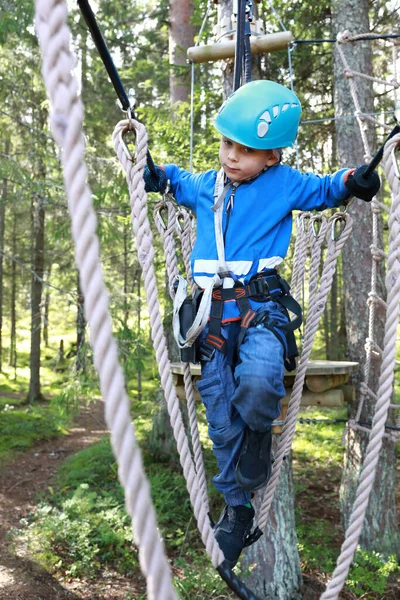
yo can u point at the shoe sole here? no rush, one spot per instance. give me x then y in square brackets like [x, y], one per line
[251, 484]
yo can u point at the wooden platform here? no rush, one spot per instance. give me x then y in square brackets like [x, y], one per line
[325, 384]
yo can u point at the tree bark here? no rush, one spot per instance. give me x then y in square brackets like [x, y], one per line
[380, 531]
[46, 312]
[36, 299]
[3, 202]
[80, 362]
[12, 357]
[272, 563]
[181, 37]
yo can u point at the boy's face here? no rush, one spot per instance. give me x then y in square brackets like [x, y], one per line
[240, 162]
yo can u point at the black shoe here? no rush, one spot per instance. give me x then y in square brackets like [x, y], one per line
[231, 531]
[254, 465]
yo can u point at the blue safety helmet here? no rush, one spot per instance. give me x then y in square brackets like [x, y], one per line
[260, 114]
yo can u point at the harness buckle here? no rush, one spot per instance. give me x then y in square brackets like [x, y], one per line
[206, 353]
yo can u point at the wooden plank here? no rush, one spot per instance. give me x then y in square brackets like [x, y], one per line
[331, 398]
[314, 367]
[321, 383]
[222, 50]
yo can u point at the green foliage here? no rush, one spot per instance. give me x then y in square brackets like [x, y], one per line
[315, 545]
[370, 572]
[88, 531]
[20, 427]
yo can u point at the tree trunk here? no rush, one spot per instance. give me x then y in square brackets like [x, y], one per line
[36, 299]
[181, 37]
[80, 362]
[46, 312]
[380, 532]
[3, 202]
[272, 564]
[12, 358]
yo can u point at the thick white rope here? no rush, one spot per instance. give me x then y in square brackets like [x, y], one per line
[315, 312]
[66, 123]
[167, 228]
[144, 242]
[385, 389]
[300, 254]
[372, 351]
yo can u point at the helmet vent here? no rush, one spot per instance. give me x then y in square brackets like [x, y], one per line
[294, 105]
[285, 107]
[262, 129]
[266, 117]
[275, 110]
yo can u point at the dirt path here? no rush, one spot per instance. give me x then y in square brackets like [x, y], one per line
[20, 482]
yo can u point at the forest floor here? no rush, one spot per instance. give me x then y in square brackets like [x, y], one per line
[22, 479]
[31, 472]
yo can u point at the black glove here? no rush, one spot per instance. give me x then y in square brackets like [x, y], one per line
[155, 182]
[363, 187]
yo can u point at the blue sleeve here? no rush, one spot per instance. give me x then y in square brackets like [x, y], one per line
[184, 186]
[307, 191]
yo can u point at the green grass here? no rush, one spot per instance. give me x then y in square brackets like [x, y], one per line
[21, 428]
[82, 527]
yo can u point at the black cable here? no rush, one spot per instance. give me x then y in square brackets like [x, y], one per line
[306, 421]
[234, 583]
[247, 52]
[241, 16]
[108, 62]
[333, 41]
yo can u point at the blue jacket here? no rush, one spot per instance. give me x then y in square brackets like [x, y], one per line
[260, 224]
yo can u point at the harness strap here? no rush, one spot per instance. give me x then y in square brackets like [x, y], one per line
[262, 288]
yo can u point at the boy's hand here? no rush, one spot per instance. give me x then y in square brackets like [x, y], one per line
[157, 182]
[362, 187]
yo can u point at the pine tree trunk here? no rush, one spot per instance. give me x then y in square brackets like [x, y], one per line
[181, 37]
[272, 563]
[80, 362]
[46, 312]
[380, 532]
[12, 357]
[3, 202]
[36, 299]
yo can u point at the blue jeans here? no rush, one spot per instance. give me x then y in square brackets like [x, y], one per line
[247, 394]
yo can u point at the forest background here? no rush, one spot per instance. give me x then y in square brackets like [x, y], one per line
[44, 349]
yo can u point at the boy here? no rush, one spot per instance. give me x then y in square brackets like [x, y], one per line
[244, 347]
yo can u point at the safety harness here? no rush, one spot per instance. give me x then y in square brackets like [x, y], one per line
[265, 287]
[268, 285]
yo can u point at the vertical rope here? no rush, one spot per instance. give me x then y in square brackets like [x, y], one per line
[335, 246]
[66, 124]
[144, 241]
[167, 229]
[385, 388]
